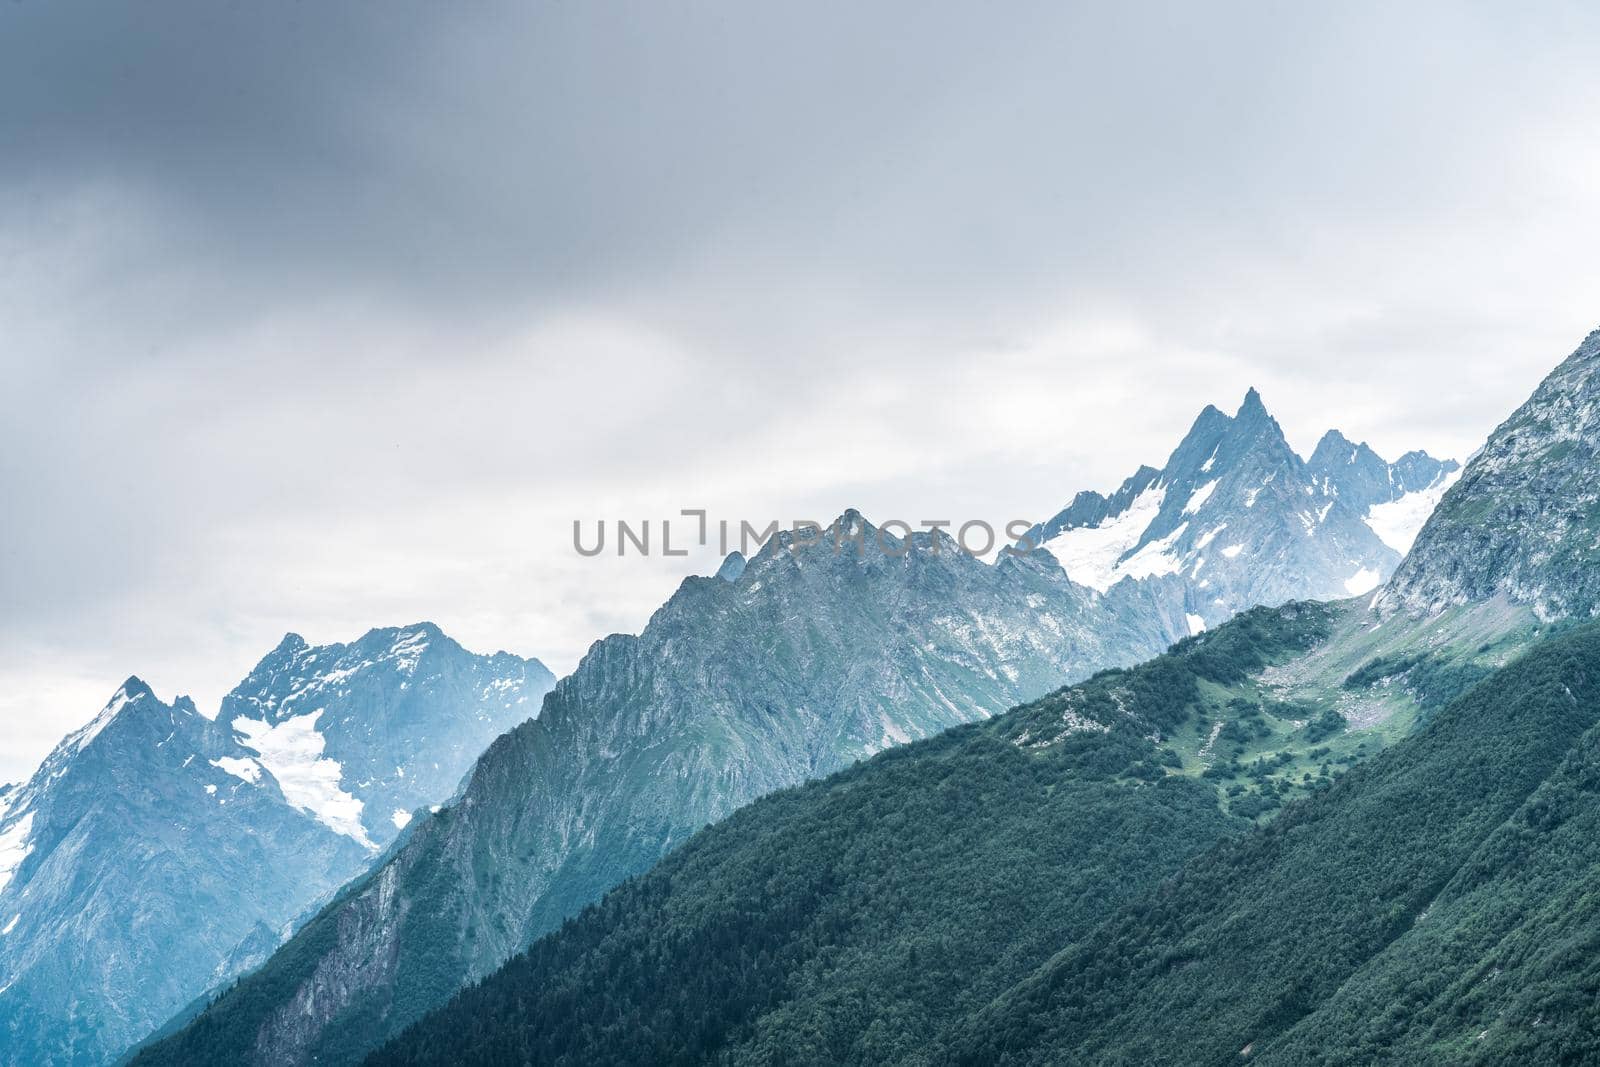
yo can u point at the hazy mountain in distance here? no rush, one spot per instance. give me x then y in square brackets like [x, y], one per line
[1236, 519]
[156, 851]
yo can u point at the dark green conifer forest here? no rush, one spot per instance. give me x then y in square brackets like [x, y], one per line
[972, 900]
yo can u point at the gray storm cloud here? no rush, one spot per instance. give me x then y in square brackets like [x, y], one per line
[329, 316]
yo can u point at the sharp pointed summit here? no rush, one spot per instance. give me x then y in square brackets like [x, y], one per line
[292, 642]
[131, 693]
[134, 688]
[1236, 519]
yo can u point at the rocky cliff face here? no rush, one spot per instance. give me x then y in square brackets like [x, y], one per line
[136, 858]
[156, 851]
[1236, 519]
[365, 733]
[1524, 520]
[791, 667]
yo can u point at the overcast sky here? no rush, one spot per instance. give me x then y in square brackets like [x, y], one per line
[325, 316]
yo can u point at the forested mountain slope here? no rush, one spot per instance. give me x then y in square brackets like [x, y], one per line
[1265, 944]
[1252, 938]
[846, 921]
[939, 903]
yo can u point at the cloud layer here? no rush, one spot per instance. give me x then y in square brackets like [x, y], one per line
[322, 317]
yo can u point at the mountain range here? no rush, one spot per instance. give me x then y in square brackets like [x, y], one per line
[362, 761]
[781, 669]
[1178, 863]
[1075, 881]
[157, 851]
[1236, 519]
[805, 661]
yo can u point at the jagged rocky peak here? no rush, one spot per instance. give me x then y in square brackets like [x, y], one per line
[132, 691]
[294, 672]
[156, 852]
[133, 707]
[1523, 521]
[1235, 518]
[1343, 462]
[816, 537]
[1360, 475]
[854, 538]
[1417, 470]
[146, 844]
[732, 567]
[362, 734]
[291, 643]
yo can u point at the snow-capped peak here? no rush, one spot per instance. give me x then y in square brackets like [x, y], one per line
[130, 692]
[1295, 529]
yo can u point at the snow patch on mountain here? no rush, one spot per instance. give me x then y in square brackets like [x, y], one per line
[241, 767]
[14, 847]
[1155, 558]
[408, 649]
[1364, 580]
[1398, 522]
[1198, 498]
[242, 837]
[1303, 522]
[1090, 554]
[291, 751]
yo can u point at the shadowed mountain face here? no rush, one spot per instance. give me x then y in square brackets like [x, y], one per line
[156, 851]
[1236, 519]
[851, 920]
